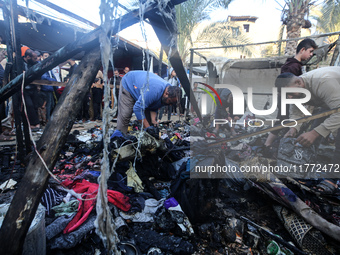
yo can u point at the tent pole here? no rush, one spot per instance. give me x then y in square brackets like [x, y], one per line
[336, 52]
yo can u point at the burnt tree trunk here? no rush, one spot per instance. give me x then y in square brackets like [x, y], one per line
[19, 67]
[26, 200]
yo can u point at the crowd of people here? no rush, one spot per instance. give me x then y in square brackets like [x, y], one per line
[40, 100]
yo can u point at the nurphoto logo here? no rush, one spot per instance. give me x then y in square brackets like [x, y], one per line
[238, 103]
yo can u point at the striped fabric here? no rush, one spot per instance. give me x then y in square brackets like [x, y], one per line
[51, 198]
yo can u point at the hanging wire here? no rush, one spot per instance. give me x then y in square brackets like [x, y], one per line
[72, 192]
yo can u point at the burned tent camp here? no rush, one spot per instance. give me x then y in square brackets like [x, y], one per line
[174, 188]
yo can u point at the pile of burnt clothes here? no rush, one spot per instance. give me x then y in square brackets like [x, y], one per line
[70, 221]
[311, 217]
[161, 207]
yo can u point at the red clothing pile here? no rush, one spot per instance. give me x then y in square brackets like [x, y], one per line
[85, 207]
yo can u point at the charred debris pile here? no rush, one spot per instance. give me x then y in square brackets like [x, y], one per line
[162, 204]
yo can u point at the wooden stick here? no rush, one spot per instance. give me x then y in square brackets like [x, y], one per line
[48, 83]
[336, 52]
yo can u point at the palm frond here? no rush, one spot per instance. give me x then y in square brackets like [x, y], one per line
[222, 3]
[188, 15]
[223, 34]
[330, 15]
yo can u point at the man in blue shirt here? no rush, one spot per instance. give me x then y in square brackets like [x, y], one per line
[143, 93]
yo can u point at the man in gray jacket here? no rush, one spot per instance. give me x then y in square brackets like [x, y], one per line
[324, 86]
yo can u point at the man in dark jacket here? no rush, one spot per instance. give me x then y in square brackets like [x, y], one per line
[304, 52]
[30, 91]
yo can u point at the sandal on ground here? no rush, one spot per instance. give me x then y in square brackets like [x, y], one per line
[326, 187]
[4, 138]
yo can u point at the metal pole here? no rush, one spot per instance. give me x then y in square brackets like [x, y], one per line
[160, 62]
[190, 75]
[191, 65]
[268, 42]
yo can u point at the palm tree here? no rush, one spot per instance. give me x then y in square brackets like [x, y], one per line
[293, 16]
[329, 16]
[191, 13]
[225, 33]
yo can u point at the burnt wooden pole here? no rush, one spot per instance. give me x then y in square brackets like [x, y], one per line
[87, 42]
[165, 29]
[19, 67]
[11, 21]
[26, 200]
[191, 65]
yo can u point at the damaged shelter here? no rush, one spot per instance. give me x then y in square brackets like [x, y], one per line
[95, 190]
[48, 34]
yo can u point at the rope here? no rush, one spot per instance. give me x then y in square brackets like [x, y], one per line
[72, 192]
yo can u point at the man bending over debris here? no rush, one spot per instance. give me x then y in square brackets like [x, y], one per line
[304, 52]
[143, 93]
[324, 86]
